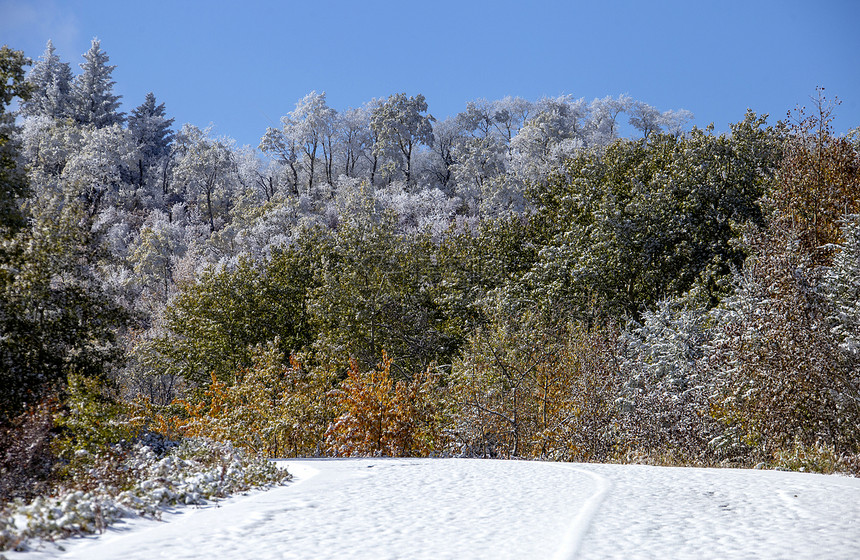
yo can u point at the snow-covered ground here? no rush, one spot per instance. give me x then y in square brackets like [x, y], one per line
[461, 508]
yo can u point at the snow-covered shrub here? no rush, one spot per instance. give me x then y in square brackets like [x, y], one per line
[781, 376]
[842, 289]
[194, 472]
[664, 404]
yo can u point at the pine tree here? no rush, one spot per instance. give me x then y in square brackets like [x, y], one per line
[51, 81]
[151, 128]
[151, 131]
[95, 103]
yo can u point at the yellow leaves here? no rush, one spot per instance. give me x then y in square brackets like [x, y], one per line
[537, 391]
[274, 409]
[818, 182]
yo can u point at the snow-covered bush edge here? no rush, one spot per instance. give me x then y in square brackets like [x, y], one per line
[195, 472]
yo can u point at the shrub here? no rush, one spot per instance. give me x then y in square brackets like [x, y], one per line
[274, 409]
[529, 388]
[26, 459]
[381, 417]
[114, 483]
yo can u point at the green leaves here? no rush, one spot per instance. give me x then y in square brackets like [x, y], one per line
[13, 183]
[54, 314]
[375, 290]
[213, 324]
[643, 221]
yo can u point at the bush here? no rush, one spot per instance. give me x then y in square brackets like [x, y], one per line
[26, 459]
[530, 388]
[275, 409]
[105, 487]
[820, 457]
[665, 404]
[381, 417]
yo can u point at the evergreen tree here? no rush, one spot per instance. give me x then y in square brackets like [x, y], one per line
[13, 182]
[54, 314]
[151, 128]
[95, 103]
[51, 81]
[151, 131]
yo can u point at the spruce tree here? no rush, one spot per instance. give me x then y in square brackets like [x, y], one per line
[51, 81]
[92, 90]
[151, 131]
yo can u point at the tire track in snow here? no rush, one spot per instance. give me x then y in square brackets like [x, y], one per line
[581, 523]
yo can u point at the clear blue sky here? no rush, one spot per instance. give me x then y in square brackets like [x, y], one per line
[241, 65]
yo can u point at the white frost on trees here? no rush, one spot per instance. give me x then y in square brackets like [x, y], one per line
[94, 102]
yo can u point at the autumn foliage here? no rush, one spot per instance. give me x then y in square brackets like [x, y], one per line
[275, 409]
[530, 388]
[379, 416]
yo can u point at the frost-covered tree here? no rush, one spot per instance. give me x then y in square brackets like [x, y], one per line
[157, 247]
[51, 80]
[47, 146]
[604, 118]
[648, 120]
[306, 131]
[99, 172]
[480, 152]
[784, 339]
[356, 140]
[675, 122]
[550, 136]
[645, 118]
[262, 176]
[425, 211]
[205, 170]
[311, 124]
[401, 126]
[285, 151]
[93, 100]
[508, 115]
[442, 158]
[151, 131]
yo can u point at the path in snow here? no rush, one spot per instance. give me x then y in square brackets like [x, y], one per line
[459, 508]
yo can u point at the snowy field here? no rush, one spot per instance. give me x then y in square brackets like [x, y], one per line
[460, 508]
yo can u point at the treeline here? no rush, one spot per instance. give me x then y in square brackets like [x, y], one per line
[515, 281]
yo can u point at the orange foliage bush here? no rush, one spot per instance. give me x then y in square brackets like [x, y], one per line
[381, 417]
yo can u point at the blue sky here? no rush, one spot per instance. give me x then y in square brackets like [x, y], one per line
[241, 65]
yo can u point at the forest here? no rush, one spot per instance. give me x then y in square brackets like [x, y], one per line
[515, 281]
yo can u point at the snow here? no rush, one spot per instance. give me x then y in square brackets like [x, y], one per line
[469, 508]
